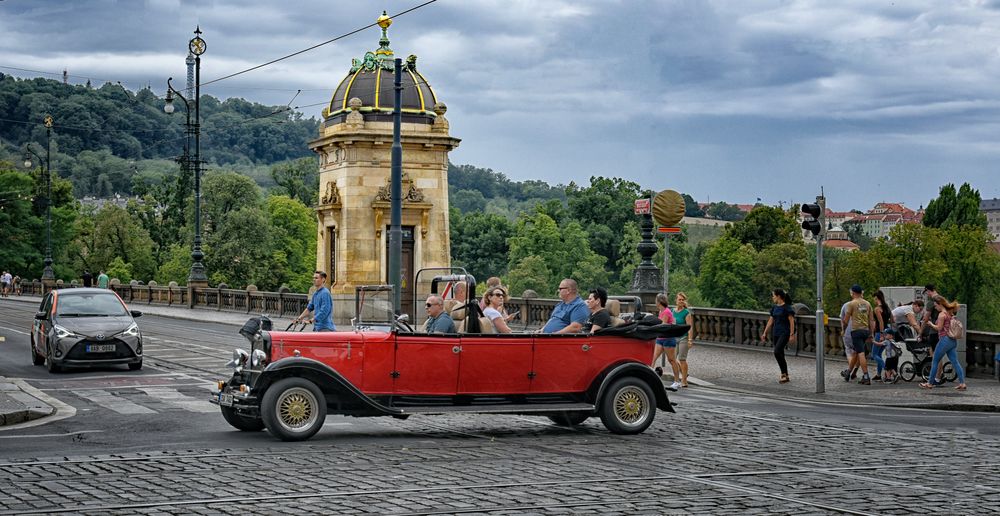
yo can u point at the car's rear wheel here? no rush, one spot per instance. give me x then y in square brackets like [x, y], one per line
[628, 406]
[50, 363]
[36, 359]
[569, 418]
[240, 422]
[293, 409]
[135, 366]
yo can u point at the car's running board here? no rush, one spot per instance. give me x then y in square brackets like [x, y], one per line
[501, 409]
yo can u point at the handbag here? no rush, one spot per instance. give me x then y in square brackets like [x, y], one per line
[955, 329]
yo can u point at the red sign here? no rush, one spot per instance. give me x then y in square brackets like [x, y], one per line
[643, 207]
[663, 229]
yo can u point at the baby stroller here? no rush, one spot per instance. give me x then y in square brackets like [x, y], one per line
[919, 359]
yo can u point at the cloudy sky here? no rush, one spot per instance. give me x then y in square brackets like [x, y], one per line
[725, 100]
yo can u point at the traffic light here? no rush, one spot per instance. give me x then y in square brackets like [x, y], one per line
[815, 217]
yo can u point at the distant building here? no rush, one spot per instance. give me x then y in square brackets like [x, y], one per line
[878, 221]
[834, 219]
[991, 208]
[836, 238]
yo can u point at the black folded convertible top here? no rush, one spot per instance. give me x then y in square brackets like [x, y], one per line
[644, 332]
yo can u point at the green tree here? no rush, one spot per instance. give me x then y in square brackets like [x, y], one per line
[532, 273]
[856, 234]
[565, 250]
[724, 211]
[765, 226]
[952, 208]
[294, 233]
[115, 234]
[298, 179]
[479, 243]
[243, 250]
[224, 192]
[784, 266]
[726, 278]
[19, 226]
[691, 207]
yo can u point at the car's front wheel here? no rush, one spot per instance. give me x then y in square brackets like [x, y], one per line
[36, 359]
[244, 423]
[293, 409]
[628, 406]
[50, 363]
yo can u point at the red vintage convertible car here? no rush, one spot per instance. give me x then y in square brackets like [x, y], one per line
[289, 381]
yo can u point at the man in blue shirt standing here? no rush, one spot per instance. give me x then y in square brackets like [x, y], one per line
[571, 313]
[321, 305]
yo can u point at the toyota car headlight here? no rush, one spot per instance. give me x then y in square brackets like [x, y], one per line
[63, 333]
[132, 331]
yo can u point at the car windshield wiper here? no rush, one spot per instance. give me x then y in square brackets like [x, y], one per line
[85, 315]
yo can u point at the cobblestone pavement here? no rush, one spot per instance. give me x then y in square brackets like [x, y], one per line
[707, 459]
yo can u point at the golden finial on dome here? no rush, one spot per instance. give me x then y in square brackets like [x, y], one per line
[384, 21]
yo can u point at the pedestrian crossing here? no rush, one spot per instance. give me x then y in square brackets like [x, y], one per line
[142, 400]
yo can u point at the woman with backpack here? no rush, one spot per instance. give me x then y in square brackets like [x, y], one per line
[949, 331]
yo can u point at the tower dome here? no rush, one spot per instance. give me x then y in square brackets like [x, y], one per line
[370, 80]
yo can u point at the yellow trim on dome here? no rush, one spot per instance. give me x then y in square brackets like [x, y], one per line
[335, 90]
[348, 90]
[416, 84]
[433, 95]
[378, 85]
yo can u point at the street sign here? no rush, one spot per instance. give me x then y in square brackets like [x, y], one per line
[671, 230]
[643, 206]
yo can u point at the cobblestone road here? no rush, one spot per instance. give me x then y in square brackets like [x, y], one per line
[704, 459]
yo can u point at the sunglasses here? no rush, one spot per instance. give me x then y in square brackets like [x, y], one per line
[497, 294]
[428, 305]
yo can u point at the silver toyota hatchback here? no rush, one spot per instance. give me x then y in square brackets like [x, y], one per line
[85, 327]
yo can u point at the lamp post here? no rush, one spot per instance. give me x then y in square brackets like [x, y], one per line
[48, 276]
[197, 46]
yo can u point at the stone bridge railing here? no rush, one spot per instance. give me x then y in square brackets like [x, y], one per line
[740, 328]
[278, 304]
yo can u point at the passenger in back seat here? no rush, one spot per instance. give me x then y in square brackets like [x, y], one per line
[599, 315]
[494, 309]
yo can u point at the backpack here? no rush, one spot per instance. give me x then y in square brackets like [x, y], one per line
[955, 329]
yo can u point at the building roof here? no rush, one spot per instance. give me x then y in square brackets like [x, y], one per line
[371, 79]
[989, 205]
[846, 245]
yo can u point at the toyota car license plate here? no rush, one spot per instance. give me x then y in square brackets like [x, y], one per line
[100, 348]
[226, 400]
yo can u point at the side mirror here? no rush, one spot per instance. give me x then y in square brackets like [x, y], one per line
[135, 313]
[41, 316]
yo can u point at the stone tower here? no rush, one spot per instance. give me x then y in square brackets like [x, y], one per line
[354, 167]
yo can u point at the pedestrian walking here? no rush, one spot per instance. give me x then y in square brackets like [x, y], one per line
[852, 359]
[321, 306]
[17, 285]
[927, 332]
[949, 331]
[781, 324]
[102, 280]
[667, 346]
[5, 281]
[883, 318]
[860, 313]
[682, 315]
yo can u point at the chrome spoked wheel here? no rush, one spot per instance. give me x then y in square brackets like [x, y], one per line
[632, 405]
[297, 409]
[293, 409]
[628, 406]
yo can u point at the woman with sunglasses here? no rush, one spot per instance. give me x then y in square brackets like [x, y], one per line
[494, 309]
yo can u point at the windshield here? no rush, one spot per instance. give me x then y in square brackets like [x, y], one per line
[374, 305]
[90, 305]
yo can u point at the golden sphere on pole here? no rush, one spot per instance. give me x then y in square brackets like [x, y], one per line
[668, 208]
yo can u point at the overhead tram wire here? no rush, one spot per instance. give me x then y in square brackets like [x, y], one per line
[342, 36]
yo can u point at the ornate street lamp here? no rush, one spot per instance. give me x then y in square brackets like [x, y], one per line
[197, 46]
[48, 276]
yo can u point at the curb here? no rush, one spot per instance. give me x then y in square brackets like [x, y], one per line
[34, 408]
[949, 407]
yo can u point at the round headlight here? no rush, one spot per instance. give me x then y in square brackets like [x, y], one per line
[240, 359]
[258, 358]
